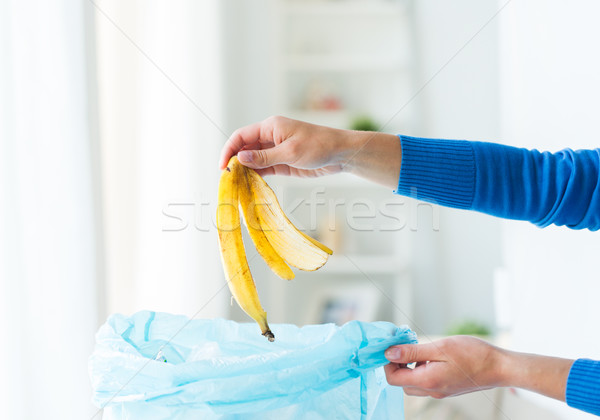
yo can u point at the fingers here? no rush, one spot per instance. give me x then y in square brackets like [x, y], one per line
[416, 392]
[284, 170]
[396, 372]
[247, 137]
[400, 375]
[266, 171]
[452, 366]
[390, 368]
[409, 353]
[264, 158]
[254, 146]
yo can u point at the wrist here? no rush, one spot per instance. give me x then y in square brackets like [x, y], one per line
[542, 374]
[508, 368]
[372, 155]
[346, 144]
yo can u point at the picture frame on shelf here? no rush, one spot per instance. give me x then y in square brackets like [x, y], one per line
[339, 305]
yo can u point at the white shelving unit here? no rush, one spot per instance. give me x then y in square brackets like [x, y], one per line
[336, 60]
[351, 264]
[370, 267]
[339, 59]
[343, 63]
[349, 8]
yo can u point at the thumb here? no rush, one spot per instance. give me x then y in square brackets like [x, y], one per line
[259, 159]
[409, 353]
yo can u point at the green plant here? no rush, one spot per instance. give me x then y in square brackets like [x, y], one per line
[469, 327]
[364, 123]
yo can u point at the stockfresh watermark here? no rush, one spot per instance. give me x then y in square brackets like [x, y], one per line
[316, 211]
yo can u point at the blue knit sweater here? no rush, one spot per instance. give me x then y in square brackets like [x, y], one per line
[544, 188]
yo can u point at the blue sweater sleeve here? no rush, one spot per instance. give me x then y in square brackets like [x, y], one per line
[544, 188]
[583, 386]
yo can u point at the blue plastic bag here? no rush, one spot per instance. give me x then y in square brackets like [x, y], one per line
[155, 366]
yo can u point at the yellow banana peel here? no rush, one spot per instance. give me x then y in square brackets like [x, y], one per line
[276, 239]
[262, 244]
[296, 248]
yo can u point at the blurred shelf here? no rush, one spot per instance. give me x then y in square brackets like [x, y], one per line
[333, 62]
[362, 265]
[340, 118]
[357, 8]
[329, 181]
[356, 54]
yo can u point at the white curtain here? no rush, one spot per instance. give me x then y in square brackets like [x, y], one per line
[49, 264]
[110, 117]
[160, 90]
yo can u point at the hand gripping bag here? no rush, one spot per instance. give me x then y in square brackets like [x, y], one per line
[158, 366]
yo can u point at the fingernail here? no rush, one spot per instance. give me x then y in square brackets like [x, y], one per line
[392, 353]
[245, 156]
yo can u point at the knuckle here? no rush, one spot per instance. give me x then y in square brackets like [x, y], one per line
[293, 148]
[453, 341]
[430, 383]
[236, 135]
[409, 354]
[393, 381]
[275, 119]
[260, 157]
[445, 346]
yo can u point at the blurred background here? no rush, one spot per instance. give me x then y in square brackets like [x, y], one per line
[112, 116]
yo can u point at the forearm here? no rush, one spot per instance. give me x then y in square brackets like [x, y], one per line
[372, 155]
[541, 374]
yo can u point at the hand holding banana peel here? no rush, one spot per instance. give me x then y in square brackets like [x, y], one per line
[283, 146]
[276, 239]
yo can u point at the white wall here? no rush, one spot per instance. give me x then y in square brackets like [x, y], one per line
[49, 265]
[247, 67]
[551, 84]
[159, 78]
[454, 267]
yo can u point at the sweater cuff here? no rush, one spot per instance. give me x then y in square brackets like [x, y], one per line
[439, 171]
[583, 386]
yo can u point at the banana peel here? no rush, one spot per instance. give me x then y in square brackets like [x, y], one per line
[290, 243]
[275, 237]
[233, 254]
[253, 224]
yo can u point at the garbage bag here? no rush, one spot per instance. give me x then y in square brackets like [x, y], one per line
[156, 366]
